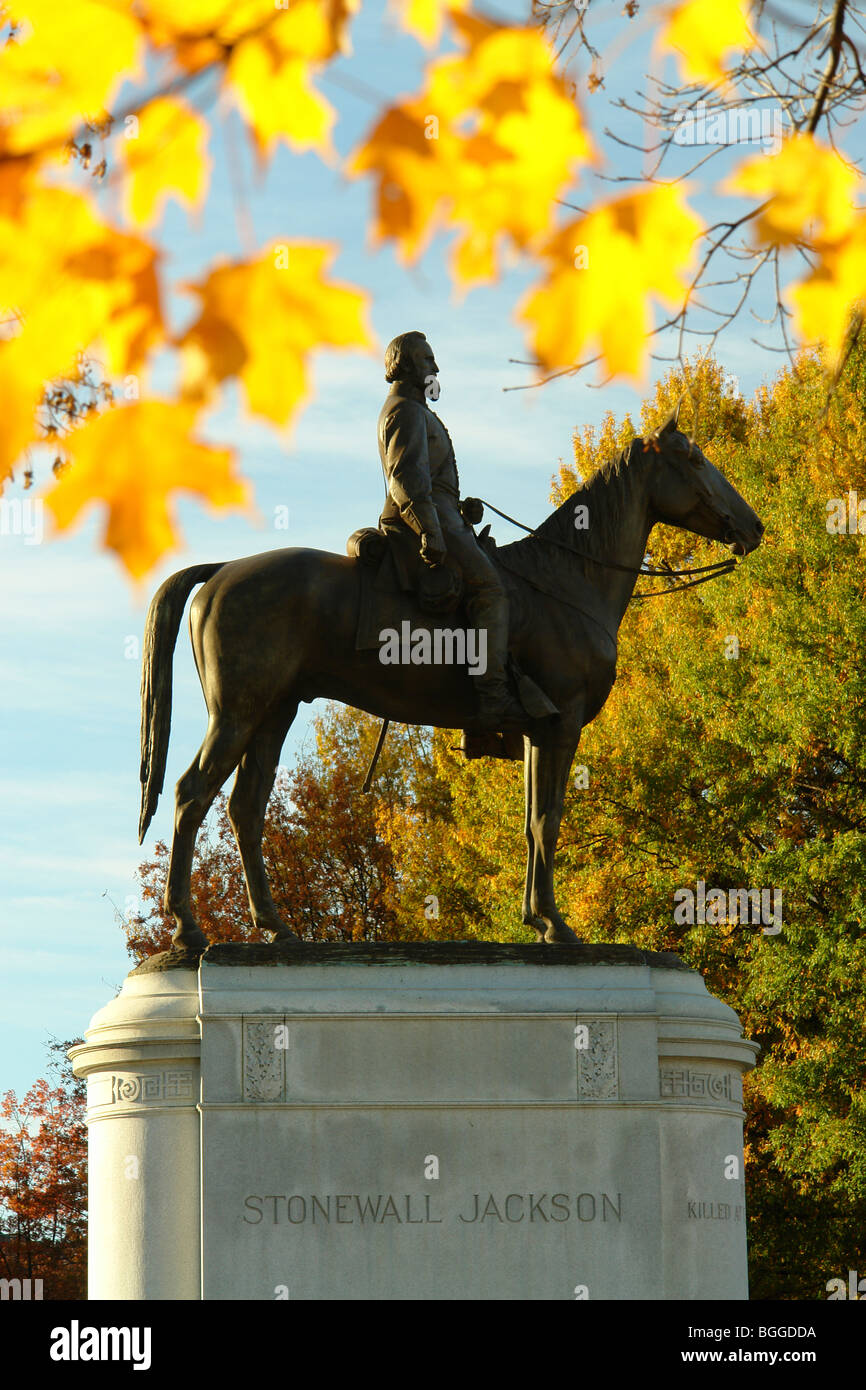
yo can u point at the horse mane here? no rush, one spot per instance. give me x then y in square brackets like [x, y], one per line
[606, 494]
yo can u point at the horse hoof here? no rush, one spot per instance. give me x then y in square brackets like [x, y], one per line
[189, 939]
[561, 935]
[556, 933]
[285, 938]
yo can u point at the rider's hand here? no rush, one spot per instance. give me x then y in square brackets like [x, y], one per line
[432, 552]
[472, 510]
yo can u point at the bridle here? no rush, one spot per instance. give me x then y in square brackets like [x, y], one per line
[662, 572]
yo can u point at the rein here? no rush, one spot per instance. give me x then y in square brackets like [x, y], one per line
[665, 572]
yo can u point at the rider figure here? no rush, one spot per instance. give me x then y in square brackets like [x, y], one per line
[424, 494]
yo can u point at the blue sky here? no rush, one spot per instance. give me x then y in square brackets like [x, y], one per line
[69, 698]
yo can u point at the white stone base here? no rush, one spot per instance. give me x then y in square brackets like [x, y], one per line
[417, 1121]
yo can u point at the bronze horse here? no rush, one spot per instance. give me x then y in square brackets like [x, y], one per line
[272, 630]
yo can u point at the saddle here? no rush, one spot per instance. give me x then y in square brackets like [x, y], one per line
[391, 570]
[395, 558]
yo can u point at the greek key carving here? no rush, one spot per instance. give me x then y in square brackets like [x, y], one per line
[135, 1088]
[681, 1083]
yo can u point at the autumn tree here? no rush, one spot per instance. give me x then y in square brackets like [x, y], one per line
[43, 1183]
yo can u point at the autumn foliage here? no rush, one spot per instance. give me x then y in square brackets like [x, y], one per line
[491, 148]
[43, 1191]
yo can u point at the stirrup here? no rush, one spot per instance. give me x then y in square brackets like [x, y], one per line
[485, 743]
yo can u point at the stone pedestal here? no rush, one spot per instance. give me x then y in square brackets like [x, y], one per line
[416, 1121]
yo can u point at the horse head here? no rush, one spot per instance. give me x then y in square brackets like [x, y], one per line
[689, 492]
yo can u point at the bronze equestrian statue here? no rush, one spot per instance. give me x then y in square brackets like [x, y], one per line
[272, 630]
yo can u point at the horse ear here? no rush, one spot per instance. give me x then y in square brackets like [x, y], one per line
[672, 422]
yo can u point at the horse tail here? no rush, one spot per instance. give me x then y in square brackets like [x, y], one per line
[160, 636]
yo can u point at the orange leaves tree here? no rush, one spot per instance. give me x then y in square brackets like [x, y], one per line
[43, 1187]
[489, 150]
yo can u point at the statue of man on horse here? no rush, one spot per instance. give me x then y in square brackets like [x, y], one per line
[424, 499]
[272, 631]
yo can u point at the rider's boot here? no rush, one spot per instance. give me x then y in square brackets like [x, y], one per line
[497, 707]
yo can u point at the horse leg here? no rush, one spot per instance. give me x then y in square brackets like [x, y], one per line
[219, 754]
[529, 918]
[551, 757]
[247, 806]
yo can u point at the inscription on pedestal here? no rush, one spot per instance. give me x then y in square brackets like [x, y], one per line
[715, 1211]
[352, 1208]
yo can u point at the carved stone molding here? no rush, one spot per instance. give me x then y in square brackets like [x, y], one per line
[135, 1088]
[598, 1063]
[264, 1062]
[687, 1083]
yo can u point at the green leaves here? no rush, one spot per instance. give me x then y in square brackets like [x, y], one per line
[749, 770]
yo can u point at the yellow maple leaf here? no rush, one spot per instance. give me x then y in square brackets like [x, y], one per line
[603, 268]
[506, 182]
[75, 285]
[811, 200]
[809, 188]
[703, 33]
[164, 154]
[411, 170]
[425, 18]
[60, 265]
[488, 147]
[21, 387]
[67, 62]
[260, 320]
[167, 20]
[271, 75]
[499, 65]
[131, 459]
[201, 32]
[276, 97]
[824, 301]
